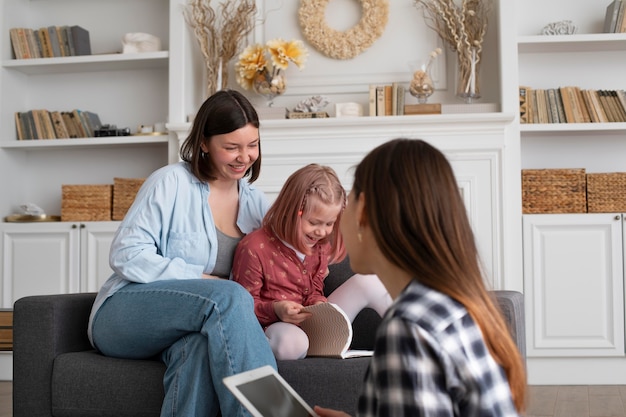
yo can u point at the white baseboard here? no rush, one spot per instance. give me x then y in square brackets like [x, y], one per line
[6, 366]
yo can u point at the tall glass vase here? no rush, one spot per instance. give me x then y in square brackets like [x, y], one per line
[468, 81]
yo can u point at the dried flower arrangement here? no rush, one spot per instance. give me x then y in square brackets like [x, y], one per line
[255, 71]
[462, 25]
[220, 34]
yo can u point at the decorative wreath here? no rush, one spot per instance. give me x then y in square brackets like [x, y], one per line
[348, 44]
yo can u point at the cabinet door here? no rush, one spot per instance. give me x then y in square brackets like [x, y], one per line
[573, 278]
[95, 238]
[38, 259]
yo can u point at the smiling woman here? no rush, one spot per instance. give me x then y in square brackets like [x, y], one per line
[347, 44]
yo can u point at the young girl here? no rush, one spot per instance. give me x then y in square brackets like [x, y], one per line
[284, 263]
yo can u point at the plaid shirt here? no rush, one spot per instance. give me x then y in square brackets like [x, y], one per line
[430, 360]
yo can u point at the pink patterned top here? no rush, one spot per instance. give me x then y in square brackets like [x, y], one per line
[271, 271]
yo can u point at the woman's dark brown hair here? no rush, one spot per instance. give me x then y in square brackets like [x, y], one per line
[223, 112]
[416, 213]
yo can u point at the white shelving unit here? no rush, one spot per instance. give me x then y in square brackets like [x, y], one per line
[562, 348]
[126, 90]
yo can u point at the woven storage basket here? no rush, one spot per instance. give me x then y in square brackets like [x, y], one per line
[606, 193]
[554, 191]
[86, 202]
[124, 192]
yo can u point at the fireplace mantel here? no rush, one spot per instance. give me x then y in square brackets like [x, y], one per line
[478, 146]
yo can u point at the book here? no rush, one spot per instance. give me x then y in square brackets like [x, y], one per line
[380, 100]
[593, 111]
[68, 118]
[422, 108]
[80, 40]
[394, 98]
[606, 105]
[15, 43]
[46, 44]
[401, 98]
[372, 100]
[388, 100]
[553, 105]
[617, 106]
[70, 41]
[62, 36]
[620, 25]
[595, 99]
[29, 125]
[33, 43]
[330, 332]
[54, 41]
[584, 111]
[19, 126]
[542, 106]
[60, 130]
[611, 16]
[523, 104]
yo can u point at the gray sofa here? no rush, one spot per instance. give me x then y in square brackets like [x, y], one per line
[57, 373]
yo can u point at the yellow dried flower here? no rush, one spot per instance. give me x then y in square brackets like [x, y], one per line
[253, 61]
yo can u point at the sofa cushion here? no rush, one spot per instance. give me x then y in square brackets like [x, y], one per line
[332, 383]
[88, 383]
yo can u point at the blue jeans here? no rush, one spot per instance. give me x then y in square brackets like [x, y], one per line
[203, 330]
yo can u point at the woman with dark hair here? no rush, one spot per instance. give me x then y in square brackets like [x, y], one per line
[170, 295]
[443, 347]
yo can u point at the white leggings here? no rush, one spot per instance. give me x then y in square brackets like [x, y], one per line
[288, 341]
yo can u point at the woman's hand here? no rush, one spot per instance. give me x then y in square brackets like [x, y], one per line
[327, 412]
[290, 312]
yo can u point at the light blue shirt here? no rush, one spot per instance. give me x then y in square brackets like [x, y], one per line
[169, 231]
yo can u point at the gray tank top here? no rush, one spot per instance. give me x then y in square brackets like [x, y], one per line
[225, 253]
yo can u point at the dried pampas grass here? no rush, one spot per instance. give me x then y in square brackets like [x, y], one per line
[220, 34]
[462, 25]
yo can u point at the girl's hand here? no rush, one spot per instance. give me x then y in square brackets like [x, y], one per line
[327, 412]
[290, 312]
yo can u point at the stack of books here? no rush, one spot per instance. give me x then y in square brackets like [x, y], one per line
[44, 124]
[571, 105]
[386, 100]
[49, 42]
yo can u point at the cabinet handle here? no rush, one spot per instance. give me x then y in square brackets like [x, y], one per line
[617, 217]
[82, 226]
[74, 226]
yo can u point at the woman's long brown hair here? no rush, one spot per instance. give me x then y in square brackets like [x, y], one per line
[415, 210]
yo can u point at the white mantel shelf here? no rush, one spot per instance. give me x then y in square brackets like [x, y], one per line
[479, 146]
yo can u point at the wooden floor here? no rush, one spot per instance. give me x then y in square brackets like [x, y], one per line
[577, 401]
[6, 402]
[545, 401]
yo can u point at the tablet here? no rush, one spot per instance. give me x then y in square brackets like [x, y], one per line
[265, 393]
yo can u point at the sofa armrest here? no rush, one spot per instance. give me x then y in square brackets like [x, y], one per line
[512, 306]
[43, 327]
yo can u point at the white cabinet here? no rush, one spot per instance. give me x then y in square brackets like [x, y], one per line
[54, 258]
[574, 282]
[575, 299]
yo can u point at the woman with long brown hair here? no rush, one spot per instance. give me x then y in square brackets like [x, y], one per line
[443, 348]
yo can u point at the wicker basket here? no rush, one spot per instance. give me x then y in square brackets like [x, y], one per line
[86, 202]
[606, 193]
[124, 192]
[554, 191]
